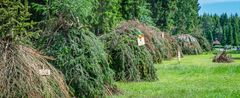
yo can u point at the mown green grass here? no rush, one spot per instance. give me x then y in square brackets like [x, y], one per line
[195, 77]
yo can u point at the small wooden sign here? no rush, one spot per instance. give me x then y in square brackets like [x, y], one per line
[162, 35]
[179, 56]
[44, 72]
[141, 40]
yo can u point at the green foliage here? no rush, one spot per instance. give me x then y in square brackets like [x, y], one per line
[229, 34]
[186, 17]
[154, 42]
[108, 15]
[136, 9]
[189, 44]
[129, 61]
[80, 56]
[207, 25]
[223, 28]
[235, 29]
[79, 53]
[81, 9]
[145, 13]
[233, 52]
[171, 46]
[205, 45]
[129, 9]
[158, 46]
[163, 12]
[15, 25]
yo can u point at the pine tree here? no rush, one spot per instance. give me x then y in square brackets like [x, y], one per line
[108, 15]
[186, 18]
[217, 32]
[136, 9]
[191, 11]
[163, 12]
[230, 34]
[235, 26]
[207, 25]
[239, 30]
[180, 18]
[223, 22]
[15, 25]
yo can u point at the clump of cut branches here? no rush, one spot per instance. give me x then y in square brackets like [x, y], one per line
[129, 61]
[204, 43]
[81, 57]
[20, 77]
[153, 44]
[20, 66]
[159, 46]
[222, 57]
[171, 46]
[189, 44]
[79, 53]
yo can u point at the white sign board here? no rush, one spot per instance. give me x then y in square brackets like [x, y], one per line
[141, 40]
[44, 72]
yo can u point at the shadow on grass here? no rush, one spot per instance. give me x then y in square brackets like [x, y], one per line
[236, 58]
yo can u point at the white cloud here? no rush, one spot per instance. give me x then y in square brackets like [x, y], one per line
[214, 1]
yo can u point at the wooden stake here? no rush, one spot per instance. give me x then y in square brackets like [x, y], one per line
[162, 35]
[179, 56]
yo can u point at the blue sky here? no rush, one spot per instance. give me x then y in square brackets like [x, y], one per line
[219, 6]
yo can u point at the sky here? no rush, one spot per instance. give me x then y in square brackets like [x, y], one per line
[219, 6]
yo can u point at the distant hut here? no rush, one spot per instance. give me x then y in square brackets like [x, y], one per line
[216, 42]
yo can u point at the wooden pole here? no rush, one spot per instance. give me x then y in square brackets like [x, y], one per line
[179, 56]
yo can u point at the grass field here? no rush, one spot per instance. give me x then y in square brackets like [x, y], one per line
[195, 77]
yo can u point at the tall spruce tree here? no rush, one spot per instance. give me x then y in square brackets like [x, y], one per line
[191, 11]
[224, 22]
[229, 33]
[136, 9]
[108, 15]
[15, 24]
[180, 18]
[207, 25]
[186, 18]
[235, 28]
[217, 32]
[163, 12]
[239, 29]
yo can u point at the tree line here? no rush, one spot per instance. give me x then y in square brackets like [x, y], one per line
[173, 16]
[224, 28]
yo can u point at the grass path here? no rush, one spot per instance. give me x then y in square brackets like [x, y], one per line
[195, 77]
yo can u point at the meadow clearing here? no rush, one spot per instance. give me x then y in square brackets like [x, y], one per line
[195, 77]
